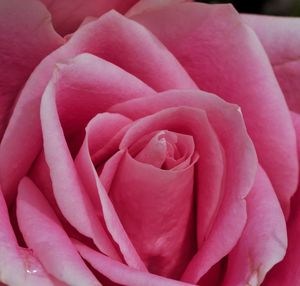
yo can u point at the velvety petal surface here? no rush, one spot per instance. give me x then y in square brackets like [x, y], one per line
[45, 236]
[225, 57]
[26, 37]
[18, 266]
[225, 119]
[287, 272]
[280, 37]
[120, 273]
[67, 15]
[112, 37]
[92, 183]
[264, 239]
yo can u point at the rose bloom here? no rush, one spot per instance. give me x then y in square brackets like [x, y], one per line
[148, 143]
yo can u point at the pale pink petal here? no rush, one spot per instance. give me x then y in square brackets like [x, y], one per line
[91, 181]
[226, 120]
[122, 274]
[69, 193]
[18, 266]
[26, 37]
[224, 56]
[45, 236]
[280, 37]
[264, 239]
[112, 37]
[287, 272]
[67, 15]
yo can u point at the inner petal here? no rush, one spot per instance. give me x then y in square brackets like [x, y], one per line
[164, 149]
[155, 206]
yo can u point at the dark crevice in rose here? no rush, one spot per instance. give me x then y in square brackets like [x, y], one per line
[215, 275]
[15, 226]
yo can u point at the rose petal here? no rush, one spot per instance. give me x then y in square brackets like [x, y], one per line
[165, 208]
[226, 120]
[70, 195]
[91, 181]
[287, 272]
[225, 57]
[44, 235]
[26, 37]
[194, 123]
[145, 6]
[67, 15]
[280, 37]
[111, 37]
[99, 133]
[122, 274]
[18, 266]
[264, 239]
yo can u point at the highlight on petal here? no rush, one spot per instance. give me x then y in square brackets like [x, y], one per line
[264, 239]
[218, 64]
[18, 266]
[26, 37]
[280, 37]
[114, 38]
[226, 120]
[45, 236]
[67, 15]
[120, 273]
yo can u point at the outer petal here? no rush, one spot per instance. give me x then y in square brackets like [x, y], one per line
[113, 38]
[67, 15]
[280, 37]
[68, 190]
[288, 272]
[18, 266]
[122, 274]
[26, 37]
[225, 57]
[45, 236]
[224, 118]
[264, 239]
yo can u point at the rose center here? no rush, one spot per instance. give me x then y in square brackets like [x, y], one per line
[152, 192]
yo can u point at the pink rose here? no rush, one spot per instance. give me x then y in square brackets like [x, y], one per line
[151, 145]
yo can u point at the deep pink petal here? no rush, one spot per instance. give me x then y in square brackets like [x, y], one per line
[45, 236]
[91, 181]
[225, 119]
[280, 37]
[18, 266]
[122, 274]
[26, 37]
[264, 239]
[67, 15]
[225, 57]
[112, 37]
[69, 193]
[287, 272]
